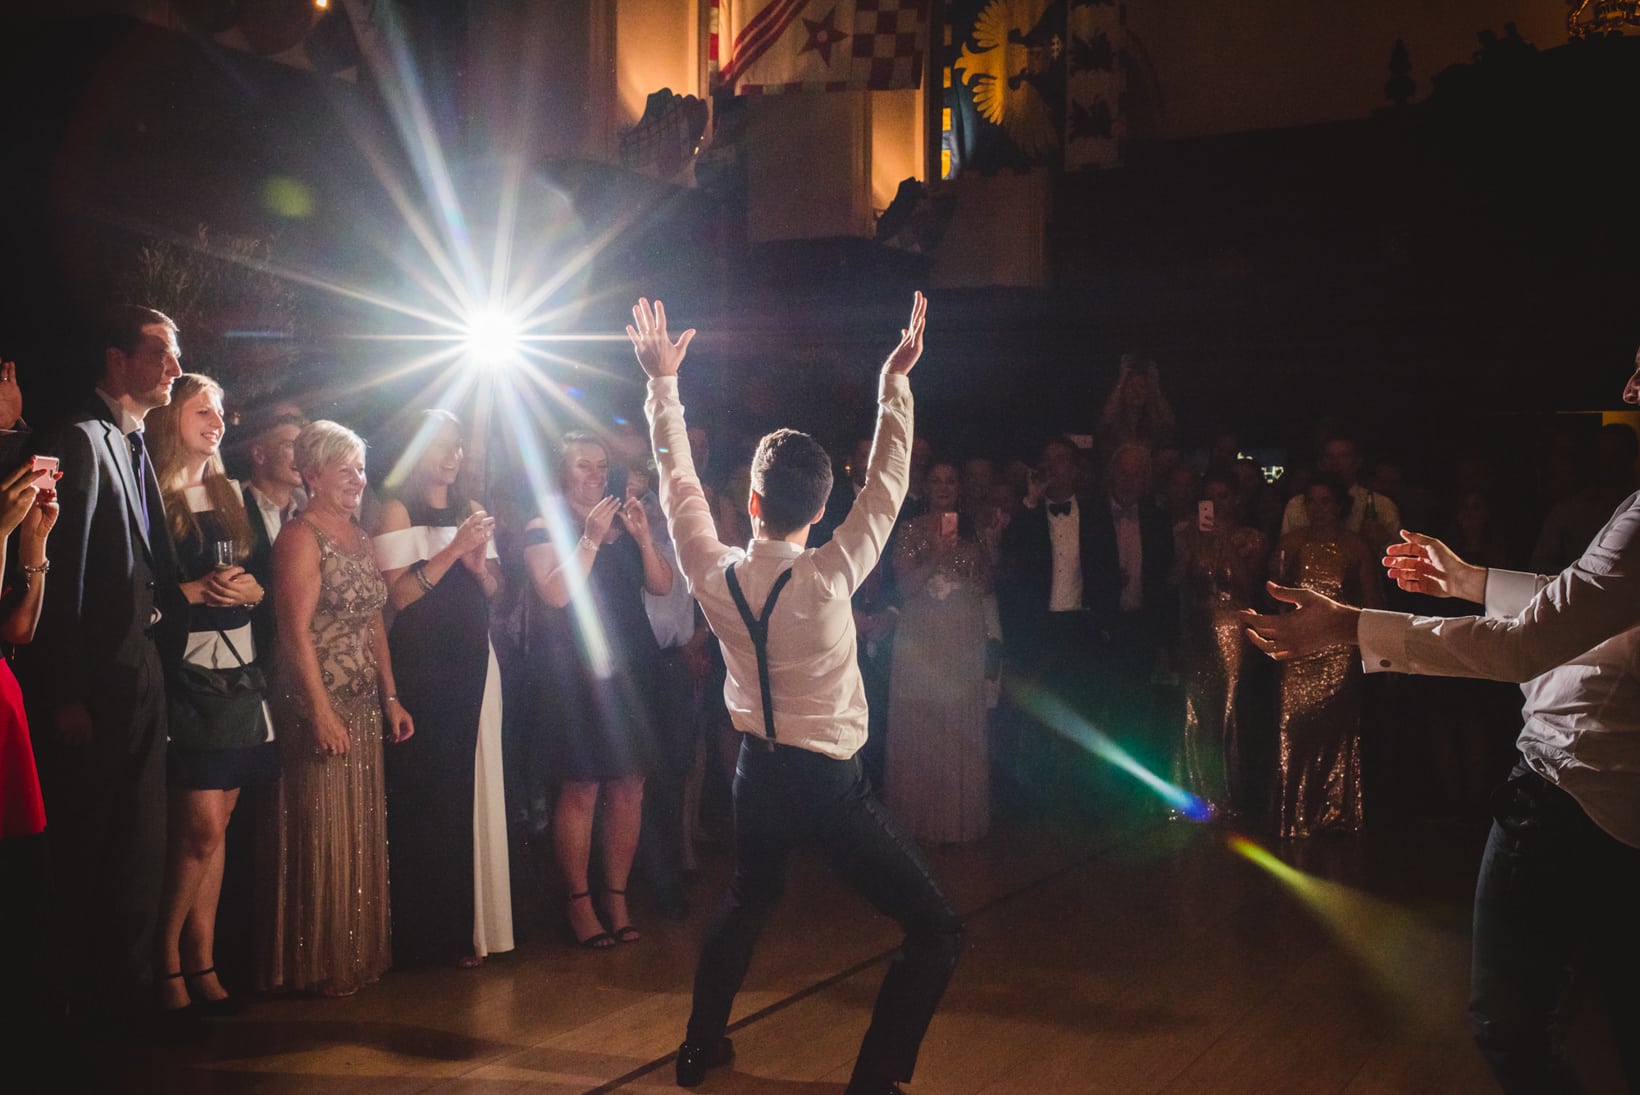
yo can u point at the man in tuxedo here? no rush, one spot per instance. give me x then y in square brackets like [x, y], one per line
[94, 678]
[1082, 589]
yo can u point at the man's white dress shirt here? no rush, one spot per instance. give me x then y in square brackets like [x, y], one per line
[1065, 538]
[819, 698]
[1573, 644]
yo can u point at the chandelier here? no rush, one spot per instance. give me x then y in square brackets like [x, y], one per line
[1598, 18]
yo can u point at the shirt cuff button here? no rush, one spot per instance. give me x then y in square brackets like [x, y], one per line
[1383, 663]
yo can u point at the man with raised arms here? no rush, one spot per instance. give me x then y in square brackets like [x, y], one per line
[783, 615]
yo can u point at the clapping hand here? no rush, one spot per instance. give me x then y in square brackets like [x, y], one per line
[600, 518]
[656, 352]
[472, 540]
[636, 519]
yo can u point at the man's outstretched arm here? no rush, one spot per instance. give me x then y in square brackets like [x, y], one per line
[1535, 623]
[688, 516]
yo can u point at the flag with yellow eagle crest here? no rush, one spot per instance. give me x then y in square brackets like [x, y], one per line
[1032, 83]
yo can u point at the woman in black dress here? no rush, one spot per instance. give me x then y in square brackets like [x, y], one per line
[433, 547]
[590, 561]
[206, 513]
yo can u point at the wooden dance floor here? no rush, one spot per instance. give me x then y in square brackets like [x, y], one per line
[1149, 958]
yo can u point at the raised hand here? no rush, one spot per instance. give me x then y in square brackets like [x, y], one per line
[601, 517]
[11, 396]
[1319, 622]
[1423, 564]
[656, 352]
[905, 355]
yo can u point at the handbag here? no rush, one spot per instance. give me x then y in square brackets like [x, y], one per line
[218, 708]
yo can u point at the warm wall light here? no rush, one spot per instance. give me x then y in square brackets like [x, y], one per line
[321, 4]
[1597, 18]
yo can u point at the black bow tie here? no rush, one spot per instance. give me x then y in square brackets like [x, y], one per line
[1059, 509]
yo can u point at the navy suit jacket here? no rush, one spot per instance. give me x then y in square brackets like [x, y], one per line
[108, 578]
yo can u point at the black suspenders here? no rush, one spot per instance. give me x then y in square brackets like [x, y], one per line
[758, 628]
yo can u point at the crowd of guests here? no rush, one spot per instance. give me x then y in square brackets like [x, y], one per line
[333, 669]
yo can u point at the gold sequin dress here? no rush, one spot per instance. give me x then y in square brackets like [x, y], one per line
[1318, 747]
[325, 838]
[1218, 580]
[937, 767]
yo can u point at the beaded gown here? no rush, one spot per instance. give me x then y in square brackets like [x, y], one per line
[937, 766]
[1217, 582]
[1318, 746]
[325, 839]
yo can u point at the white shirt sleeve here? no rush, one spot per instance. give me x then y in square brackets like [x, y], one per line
[1533, 623]
[688, 517]
[854, 548]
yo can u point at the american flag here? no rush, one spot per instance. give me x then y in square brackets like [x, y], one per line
[768, 47]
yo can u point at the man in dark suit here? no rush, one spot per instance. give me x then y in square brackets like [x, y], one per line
[1082, 591]
[273, 496]
[94, 678]
[1129, 549]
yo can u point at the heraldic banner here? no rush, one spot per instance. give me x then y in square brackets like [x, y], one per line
[769, 47]
[1032, 83]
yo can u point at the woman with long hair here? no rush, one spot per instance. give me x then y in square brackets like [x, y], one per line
[211, 756]
[446, 810]
[937, 765]
[595, 660]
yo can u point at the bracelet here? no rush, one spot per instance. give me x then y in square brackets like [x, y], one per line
[390, 699]
[417, 569]
[45, 565]
[589, 542]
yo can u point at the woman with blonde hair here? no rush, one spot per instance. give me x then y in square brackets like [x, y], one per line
[336, 696]
[221, 736]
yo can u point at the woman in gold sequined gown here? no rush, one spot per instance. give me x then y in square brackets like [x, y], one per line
[326, 832]
[1219, 568]
[937, 765]
[1318, 748]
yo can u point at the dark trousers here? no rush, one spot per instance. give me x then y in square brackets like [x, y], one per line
[786, 798]
[105, 826]
[1555, 892]
[660, 847]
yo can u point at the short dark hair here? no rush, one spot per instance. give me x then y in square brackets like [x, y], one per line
[122, 326]
[792, 475]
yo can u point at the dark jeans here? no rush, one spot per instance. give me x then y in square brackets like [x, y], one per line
[787, 797]
[1555, 892]
[660, 848]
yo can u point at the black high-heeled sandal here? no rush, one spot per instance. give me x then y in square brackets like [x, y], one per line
[626, 933]
[601, 941]
[227, 1007]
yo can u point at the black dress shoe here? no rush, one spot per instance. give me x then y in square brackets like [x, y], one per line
[694, 1058]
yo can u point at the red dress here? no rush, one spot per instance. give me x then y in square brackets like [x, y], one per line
[22, 811]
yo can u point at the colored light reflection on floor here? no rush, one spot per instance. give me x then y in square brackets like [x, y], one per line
[1390, 942]
[1054, 714]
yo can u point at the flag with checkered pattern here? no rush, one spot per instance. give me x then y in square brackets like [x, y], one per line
[769, 47]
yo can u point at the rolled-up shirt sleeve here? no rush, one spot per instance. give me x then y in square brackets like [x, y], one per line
[1533, 623]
